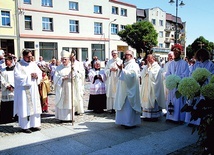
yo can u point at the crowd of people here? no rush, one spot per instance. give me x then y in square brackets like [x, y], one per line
[133, 90]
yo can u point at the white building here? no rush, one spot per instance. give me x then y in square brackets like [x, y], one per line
[87, 26]
[164, 24]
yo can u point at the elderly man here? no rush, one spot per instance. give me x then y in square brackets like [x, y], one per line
[127, 102]
[78, 87]
[27, 106]
[62, 87]
[152, 91]
[180, 68]
[111, 71]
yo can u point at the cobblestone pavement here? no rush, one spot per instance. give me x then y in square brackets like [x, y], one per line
[48, 119]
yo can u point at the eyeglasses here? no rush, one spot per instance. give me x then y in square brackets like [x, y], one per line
[64, 59]
[127, 54]
[28, 57]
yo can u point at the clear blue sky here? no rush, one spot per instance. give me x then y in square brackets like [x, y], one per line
[198, 15]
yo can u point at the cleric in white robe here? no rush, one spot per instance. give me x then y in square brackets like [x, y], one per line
[27, 76]
[112, 72]
[7, 90]
[152, 90]
[65, 100]
[180, 68]
[202, 61]
[127, 102]
[79, 87]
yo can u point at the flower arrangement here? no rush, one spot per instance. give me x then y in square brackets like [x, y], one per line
[208, 91]
[201, 75]
[212, 79]
[188, 87]
[200, 86]
[172, 81]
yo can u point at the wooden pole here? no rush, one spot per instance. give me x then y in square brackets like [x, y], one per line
[72, 88]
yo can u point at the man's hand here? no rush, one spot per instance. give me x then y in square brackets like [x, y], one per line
[34, 75]
[120, 66]
[113, 69]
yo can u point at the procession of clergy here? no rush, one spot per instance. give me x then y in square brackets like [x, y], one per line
[123, 87]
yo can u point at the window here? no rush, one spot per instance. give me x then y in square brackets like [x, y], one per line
[27, 1]
[160, 22]
[161, 45]
[73, 5]
[5, 18]
[47, 24]
[84, 53]
[114, 28]
[47, 3]
[74, 26]
[123, 12]
[161, 34]
[153, 21]
[99, 51]
[98, 28]
[98, 9]
[29, 45]
[48, 50]
[114, 10]
[122, 27]
[28, 23]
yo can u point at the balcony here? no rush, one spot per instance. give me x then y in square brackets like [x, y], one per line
[168, 40]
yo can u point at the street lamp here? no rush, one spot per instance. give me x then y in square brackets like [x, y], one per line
[176, 17]
[109, 33]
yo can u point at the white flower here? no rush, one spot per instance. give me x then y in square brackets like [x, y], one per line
[212, 79]
[201, 75]
[172, 81]
[208, 91]
[188, 87]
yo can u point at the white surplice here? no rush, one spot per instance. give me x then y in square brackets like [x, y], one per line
[7, 79]
[181, 69]
[26, 95]
[111, 82]
[209, 65]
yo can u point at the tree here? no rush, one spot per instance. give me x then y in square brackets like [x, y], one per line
[141, 36]
[200, 42]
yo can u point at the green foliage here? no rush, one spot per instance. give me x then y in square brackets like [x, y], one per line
[141, 36]
[200, 42]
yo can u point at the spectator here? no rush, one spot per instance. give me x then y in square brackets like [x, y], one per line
[44, 89]
[86, 67]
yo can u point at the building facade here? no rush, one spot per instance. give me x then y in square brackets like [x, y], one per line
[88, 27]
[8, 28]
[164, 24]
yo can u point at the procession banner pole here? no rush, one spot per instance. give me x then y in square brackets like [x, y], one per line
[72, 88]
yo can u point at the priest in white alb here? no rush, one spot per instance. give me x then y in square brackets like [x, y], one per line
[127, 102]
[152, 90]
[27, 106]
[112, 72]
[68, 95]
